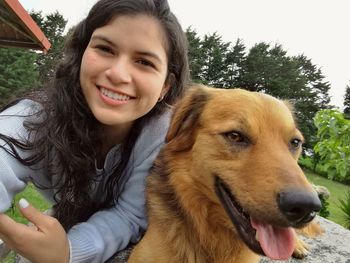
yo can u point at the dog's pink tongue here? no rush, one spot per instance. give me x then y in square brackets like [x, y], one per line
[277, 243]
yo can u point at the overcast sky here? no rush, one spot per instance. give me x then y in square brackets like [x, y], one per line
[319, 29]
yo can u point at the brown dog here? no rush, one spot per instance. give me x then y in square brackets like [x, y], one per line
[226, 186]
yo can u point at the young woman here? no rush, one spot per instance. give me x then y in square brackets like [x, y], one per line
[88, 144]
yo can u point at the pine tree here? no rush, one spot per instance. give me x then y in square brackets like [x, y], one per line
[53, 26]
[347, 102]
[233, 63]
[18, 72]
[195, 54]
[215, 52]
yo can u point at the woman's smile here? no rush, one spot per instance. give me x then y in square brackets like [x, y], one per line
[114, 97]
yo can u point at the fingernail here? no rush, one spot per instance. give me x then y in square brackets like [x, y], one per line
[23, 203]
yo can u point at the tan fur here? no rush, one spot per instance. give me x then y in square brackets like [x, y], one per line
[187, 223]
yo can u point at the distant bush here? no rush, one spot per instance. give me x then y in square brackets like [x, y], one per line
[333, 146]
[324, 212]
[344, 205]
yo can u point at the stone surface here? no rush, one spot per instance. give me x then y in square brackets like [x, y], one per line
[332, 247]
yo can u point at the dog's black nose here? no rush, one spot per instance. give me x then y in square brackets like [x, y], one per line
[299, 207]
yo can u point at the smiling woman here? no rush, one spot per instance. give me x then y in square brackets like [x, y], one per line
[89, 143]
[124, 70]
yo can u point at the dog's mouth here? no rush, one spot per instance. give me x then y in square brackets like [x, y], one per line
[264, 239]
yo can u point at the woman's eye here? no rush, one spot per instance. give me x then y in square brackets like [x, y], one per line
[105, 49]
[146, 63]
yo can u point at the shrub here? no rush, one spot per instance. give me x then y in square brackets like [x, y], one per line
[324, 212]
[344, 205]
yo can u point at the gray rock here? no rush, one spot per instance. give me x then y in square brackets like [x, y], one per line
[332, 247]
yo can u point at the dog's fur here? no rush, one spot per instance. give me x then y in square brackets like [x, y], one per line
[244, 138]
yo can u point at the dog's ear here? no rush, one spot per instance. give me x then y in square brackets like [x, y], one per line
[182, 130]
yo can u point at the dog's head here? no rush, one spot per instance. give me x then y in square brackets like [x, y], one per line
[244, 147]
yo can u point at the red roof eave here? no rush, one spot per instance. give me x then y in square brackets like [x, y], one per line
[29, 23]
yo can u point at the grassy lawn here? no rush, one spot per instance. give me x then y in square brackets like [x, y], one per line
[337, 190]
[35, 199]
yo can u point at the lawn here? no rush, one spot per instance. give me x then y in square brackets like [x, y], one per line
[337, 190]
[35, 199]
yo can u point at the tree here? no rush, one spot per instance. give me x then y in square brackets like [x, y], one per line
[53, 26]
[23, 70]
[214, 50]
[268, 70]
[18, 72]
[233, 63]
[195, 54]
[347, 102]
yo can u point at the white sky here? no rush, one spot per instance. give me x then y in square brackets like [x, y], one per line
[319, 29]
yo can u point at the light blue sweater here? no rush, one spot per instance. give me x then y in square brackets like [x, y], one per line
[106, 231]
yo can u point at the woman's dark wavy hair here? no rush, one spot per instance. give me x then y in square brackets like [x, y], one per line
[67, 139]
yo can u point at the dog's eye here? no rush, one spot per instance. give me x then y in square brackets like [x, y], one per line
[236, 137]
[296, 143]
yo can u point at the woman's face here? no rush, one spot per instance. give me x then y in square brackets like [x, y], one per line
[124, 69]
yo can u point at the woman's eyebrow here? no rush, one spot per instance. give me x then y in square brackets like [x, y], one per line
[103, 38]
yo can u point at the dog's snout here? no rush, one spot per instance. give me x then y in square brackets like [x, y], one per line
[299, 207]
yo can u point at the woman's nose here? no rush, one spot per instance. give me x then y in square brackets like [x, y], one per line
[119, 71]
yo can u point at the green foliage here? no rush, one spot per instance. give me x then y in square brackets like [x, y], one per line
[344, 205]
[23, 70]
[333, 146]
[53, 26]
[214, 67]
[347, 102]
[195, 54]
[307, 162]
[324, 212]
[234, 62]
[18, 72]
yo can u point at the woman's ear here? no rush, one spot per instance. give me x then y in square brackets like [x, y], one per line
[167, 85]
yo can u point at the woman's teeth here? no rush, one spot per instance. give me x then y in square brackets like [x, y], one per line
[113, 95]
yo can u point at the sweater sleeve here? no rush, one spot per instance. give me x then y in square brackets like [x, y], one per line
[111, 230]
[13, 175]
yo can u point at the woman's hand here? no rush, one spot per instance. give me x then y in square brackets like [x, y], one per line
[45, 241]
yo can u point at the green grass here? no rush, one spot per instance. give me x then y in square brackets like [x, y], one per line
[35, 199]
[337, 191]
